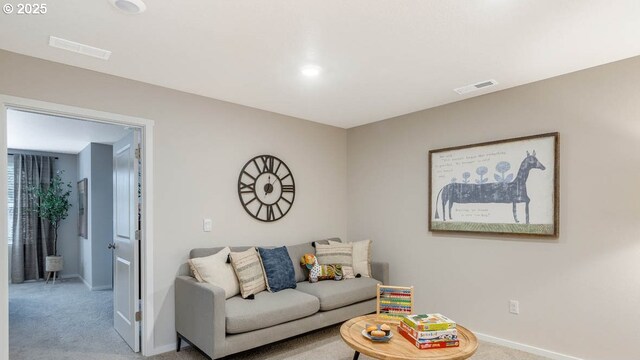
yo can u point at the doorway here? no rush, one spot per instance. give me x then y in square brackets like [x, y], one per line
[95, 278]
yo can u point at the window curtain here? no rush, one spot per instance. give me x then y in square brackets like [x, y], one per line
[32, 236]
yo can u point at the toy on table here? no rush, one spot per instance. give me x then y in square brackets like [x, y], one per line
[394, 302]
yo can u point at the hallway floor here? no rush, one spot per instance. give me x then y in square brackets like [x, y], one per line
[61, 321]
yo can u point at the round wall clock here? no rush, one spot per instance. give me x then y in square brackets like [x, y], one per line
[266, 188]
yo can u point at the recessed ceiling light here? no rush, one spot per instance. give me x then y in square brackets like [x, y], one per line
[311, 70]
[75, 47]
[129, 6]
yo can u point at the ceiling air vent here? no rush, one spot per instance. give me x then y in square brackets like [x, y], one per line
[75, 47]
[476, 86]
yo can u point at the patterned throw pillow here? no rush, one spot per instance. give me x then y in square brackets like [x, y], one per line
[215, 270]
[335, 254]
[249, 271]
[347, 272]
[278, 269]
[361, 256]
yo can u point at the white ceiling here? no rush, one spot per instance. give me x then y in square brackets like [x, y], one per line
[380, 58]
[30, 131]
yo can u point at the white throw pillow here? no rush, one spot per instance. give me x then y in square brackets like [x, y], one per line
[361, 256]
[214, 270]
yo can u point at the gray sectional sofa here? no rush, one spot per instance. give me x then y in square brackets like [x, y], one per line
[219, 327]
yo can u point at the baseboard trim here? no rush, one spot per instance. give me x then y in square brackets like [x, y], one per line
[85, 282]
[523, 347]
[95, 288]
[102, 287]
[69, 276]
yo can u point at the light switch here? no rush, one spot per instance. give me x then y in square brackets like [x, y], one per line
[207, 224]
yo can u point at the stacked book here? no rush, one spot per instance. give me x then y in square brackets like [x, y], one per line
[429, 331]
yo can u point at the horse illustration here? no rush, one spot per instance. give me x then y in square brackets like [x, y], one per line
[501, 193]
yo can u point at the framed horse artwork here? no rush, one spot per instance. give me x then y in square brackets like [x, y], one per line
[508, 187]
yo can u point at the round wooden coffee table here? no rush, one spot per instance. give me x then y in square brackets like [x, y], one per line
[398, 348]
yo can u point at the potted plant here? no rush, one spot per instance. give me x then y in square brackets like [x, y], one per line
[53, 206]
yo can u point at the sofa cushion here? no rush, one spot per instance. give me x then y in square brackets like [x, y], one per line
[268, 309]
[347, 273]
[214, 269]
[248, 269]
[278, 269]
[361, 256]
[337, 254]
[295, 253]
[325, 241]
[335, 294]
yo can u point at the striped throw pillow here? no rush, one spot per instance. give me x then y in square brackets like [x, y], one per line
[336, 254]
[361, 256]
[249, 271]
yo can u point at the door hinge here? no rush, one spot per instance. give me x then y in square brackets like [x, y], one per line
[138, 153]
[138, 234]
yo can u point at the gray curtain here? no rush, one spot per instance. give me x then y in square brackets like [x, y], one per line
[32, 236]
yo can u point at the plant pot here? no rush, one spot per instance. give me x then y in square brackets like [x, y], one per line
[53, 263]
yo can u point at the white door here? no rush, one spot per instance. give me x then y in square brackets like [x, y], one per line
[126, 272]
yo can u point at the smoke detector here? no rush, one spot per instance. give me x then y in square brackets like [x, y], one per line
[476, 86]
[129, 6]
[78, 48]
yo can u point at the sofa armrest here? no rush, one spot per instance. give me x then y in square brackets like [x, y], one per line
[200, 314]
[380, 271]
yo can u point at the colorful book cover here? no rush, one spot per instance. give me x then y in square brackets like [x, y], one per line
[429, 322]
[428, 345]
[437, 335]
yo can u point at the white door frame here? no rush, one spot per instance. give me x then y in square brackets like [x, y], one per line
[146, 277]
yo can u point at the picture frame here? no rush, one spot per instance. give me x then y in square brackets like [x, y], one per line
[83, 203]
[520, 199]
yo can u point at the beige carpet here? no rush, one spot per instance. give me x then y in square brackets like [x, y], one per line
[67, 321]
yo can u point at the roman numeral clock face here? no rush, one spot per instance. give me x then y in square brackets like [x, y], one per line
[266, 188]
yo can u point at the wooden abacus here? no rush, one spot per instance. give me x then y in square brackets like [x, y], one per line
[394, 302]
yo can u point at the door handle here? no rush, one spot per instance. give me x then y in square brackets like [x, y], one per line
[112, 246]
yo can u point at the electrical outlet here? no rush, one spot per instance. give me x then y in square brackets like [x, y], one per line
[514, 307]
[207, 225]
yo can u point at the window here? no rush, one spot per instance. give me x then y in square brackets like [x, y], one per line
[10, 184]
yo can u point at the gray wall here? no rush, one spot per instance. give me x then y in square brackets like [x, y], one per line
[84, 171]
[101, 213]
[201, 145]
[563, 285]
[68, 232]
[95, 163]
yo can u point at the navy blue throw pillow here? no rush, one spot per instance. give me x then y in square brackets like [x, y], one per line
[278, 269]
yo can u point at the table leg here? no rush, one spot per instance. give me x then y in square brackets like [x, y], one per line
[356, 355]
